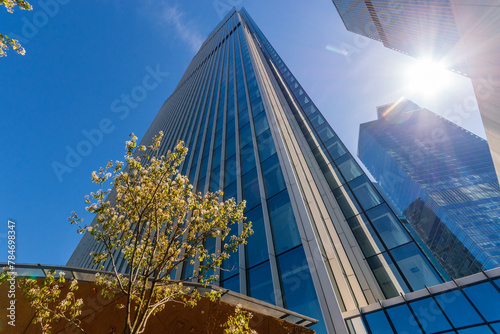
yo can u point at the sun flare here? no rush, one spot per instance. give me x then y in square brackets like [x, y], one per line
[427, 77]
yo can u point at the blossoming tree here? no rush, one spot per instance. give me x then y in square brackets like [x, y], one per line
[154, 219]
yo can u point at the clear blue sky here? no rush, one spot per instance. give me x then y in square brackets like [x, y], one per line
[82, 56]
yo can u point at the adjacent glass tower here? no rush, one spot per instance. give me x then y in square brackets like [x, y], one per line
[442, 179]
[461, 35]
[325, 241]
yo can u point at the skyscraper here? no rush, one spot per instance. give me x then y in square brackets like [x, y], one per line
[441, 178]
[460, 34]
[325, 240]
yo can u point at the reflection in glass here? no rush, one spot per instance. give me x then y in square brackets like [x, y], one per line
[388, 227]
[298, 288]
[273, 177]
[348, 167]
[378, 323]
[256, 248]
[415, 267]
[260, 283]
[364, 191]
[403, 320]
[487, 300]
[458, 309]
[284, 226]
[266, 145]
[430, 316]
[251, 192]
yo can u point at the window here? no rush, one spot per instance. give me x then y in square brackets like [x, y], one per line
[285, 232]
[364, 191]
[403, 320]
[256, 248]
[230, 171]
[215, 184]
[381, 266]
[251, 192]
[332, 176]
[348, 167]
[260, 283]
[245, 135]
[458, 309]
[261, 124]
[266, 145]
[378, 323]
[298, 289]
[365, 236]
[388, 227]
[335, 147]
[487, 300]
[273, 177]
[230, 147]
[347, 202]
[232, 283]
[430, 316]
[416, 268]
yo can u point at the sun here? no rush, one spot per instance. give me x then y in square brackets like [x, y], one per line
[427, 77]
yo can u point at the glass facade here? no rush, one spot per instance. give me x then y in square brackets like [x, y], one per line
[325, 240]
[442, 179]
[470, 305]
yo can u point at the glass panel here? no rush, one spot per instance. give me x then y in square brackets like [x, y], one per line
[216, 157]
[201, 185]
[458, 309]
[476, 330]
[335, 147]
[347, 202]
[386, 274]
[496, 327]
[257, 107]
[232, 283]
[285, 232]
[430, 316]
[251, 192]
[273, 177]
[325, 132]
[215, 184]
[243, 117]
[230, 127]
[257, 243]
[266, 145]
[316, 119]
[298, 288]
[230, 172]
[230, 191]
[403, 320]
[320, 157]
[388, 227]
[260, 283]
[230, 147]
[245, 135]
[348, 167]
[261, 124]
[332, 176]
[366, 194]
[486, 299]
[416, 268]
[378, 323]
[247, 158]
[365, 236]
[230, 266]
